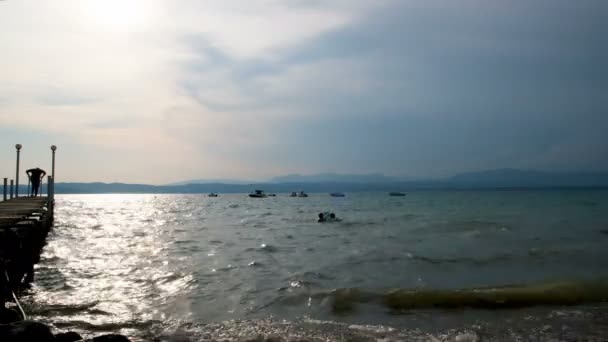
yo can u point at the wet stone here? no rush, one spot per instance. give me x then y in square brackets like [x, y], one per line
[467, 337]
[8, 316]
[258, 338]
[69, 336]
[110, 338]
[25, 331]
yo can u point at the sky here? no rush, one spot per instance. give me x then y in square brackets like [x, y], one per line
[151, 91]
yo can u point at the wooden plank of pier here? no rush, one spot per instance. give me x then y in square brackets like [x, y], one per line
[20, 209]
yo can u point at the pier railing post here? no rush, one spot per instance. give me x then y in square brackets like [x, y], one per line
[5, 188]
[11, 189]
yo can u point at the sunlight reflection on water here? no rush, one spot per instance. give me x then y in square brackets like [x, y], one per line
[114, 252]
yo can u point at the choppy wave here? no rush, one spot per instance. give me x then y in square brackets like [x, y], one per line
[105, 327]
[558, 293]
[551, 293]
[180, 258]
[65, 309]
[474, 261]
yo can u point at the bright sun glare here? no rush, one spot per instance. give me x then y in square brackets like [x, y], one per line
[118, 15]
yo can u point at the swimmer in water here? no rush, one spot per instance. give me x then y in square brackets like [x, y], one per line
[328, 217]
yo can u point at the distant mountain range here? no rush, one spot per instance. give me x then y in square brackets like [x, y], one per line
[211, 181]
[335, 178]
[329, 182]
[530, 178]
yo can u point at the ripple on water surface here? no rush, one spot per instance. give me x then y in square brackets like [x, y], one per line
[166, 264]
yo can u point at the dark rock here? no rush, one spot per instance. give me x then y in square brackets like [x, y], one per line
[110, 338]
[25, 331]
[69, 336]
[8, 316]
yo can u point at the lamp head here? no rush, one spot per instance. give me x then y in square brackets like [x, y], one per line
[18, 147]
[53, 148]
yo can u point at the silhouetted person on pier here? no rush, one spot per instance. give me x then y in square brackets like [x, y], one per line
[35, 177]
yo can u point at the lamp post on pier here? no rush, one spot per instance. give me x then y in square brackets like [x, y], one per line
[53, 148]
[51, 185]
[18, 147]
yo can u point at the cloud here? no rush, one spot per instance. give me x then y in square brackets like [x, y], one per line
[266, 87]
[447, 87]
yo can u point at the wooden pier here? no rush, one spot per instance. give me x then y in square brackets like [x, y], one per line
[24, 225]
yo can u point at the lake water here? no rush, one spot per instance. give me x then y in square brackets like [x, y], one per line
[190, 267]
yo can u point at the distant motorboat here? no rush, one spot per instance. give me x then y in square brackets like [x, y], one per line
[293, 194]
[396, 193]
[272, 195]
[213, 194]
[302, 194]
[258, 194]
[337, 194]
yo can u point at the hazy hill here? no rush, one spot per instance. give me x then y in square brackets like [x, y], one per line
[334, 178]
[490, 179]
[84, 188]
[211, 181]
[530, 178]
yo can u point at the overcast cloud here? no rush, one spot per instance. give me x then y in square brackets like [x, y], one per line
[160, 91]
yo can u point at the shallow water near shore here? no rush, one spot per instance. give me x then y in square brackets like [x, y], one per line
[502, 264]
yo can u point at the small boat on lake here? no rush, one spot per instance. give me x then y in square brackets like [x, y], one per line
[396, 193]
[213, 194]
[337, 194]
[258, 194]
[272, 195]
[302, 194]
[293, 194]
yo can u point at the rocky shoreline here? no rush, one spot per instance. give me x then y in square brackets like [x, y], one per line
[13, 329]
